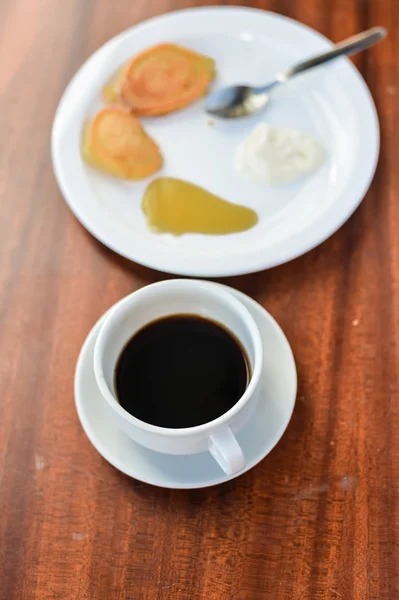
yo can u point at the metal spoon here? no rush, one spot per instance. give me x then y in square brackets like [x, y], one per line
[243, 100]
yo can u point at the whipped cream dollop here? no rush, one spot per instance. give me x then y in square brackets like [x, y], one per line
[275, 155]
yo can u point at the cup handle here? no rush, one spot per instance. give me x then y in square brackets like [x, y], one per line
[226, 450]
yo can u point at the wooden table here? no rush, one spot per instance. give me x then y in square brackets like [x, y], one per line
[319, 517]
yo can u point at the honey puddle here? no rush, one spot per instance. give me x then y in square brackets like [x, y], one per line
[176, 206]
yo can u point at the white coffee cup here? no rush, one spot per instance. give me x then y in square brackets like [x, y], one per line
[172, 297]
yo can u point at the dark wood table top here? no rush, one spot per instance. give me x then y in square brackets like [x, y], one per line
[319, 517]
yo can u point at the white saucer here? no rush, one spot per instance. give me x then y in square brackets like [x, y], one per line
[331, 103]
[257, 438]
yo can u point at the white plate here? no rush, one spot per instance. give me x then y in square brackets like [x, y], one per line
[249, 45]
[257, 438]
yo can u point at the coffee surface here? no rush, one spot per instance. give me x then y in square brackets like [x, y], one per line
[181, 371]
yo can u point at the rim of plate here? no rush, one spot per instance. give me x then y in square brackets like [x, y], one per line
[102, 448]
[180, 263]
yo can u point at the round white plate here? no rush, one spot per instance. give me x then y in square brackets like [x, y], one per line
[331, 103]
[257, 438]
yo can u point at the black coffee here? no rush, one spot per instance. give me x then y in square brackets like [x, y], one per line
[181, 371]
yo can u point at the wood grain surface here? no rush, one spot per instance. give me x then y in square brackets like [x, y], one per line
[319, 517]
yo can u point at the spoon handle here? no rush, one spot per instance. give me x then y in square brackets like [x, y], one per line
[352, 45]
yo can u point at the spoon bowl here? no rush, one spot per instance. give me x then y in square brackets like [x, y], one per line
[235, 101]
